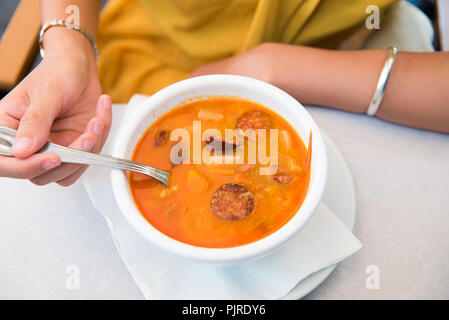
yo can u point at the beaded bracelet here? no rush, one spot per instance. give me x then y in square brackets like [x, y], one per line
[71, 26]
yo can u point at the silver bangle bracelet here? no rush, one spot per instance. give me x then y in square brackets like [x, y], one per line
[71, 26]
[382, 82]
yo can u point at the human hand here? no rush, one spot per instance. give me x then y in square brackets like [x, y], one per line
[60, 102]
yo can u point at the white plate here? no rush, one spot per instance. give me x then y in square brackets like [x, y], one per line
[339, 196]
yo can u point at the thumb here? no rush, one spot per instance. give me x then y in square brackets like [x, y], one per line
[34, 127]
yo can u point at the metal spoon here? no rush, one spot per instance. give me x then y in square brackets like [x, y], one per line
[68, 155]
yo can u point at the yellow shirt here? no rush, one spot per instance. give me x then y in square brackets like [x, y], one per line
[146, 45]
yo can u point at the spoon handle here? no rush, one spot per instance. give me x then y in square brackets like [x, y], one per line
[69, 155]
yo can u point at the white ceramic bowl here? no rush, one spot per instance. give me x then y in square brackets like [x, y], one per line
[220, 85]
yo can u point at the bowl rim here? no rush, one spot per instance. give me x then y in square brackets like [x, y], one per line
[258, 248]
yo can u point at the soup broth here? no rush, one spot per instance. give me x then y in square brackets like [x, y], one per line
[221, 205]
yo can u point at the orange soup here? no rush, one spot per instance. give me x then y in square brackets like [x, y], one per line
[224, 195]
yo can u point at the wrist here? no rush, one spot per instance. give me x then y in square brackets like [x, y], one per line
[61, 41]
[263, 61]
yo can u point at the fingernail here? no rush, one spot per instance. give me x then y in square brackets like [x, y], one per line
[98, 128]
[88, 145]
[49, 164]
[23, 143]
[106, 103]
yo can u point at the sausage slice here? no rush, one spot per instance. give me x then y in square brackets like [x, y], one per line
[219, 144]
[255, 119]
[232, 202]
[161, 138]
[283, 178]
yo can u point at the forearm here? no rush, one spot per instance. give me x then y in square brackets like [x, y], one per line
[88, 12]
[61, 39]
[417, 93]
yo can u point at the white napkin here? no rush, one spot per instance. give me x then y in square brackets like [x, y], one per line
[324, 241]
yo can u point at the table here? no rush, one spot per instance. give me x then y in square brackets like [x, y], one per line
[401, 175]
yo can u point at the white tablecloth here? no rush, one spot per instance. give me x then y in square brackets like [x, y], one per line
[401, 175]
